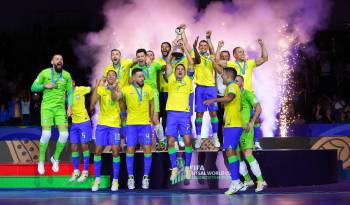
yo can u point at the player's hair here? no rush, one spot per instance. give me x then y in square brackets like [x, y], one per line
[116, 50]
[135, 70]
[180, 64]
[240, 77]
[203, 41]
[166, 43]
[226, 51]
[113, 71]
[150, 51]
[56, 54]
[234, 50]
[231, 71]
[141, 50]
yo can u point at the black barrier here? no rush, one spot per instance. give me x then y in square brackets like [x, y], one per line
[280, 168]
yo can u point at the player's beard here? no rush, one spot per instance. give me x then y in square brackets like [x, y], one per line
[58, 69]
[140, 84]
[165, 54]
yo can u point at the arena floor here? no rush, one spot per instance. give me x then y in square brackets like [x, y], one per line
[335, 194]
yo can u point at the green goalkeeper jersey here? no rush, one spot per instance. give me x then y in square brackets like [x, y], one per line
[54, 97]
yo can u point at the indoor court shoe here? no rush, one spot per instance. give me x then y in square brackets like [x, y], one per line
[181, 142]
[260, 186]
[198, 143]
[75, 176]
[174, 173]
[131, 182]
[249, 183]
[55, 165]
[95, 186]
[83, 176]
[115, 185]
[187, 173]
[257, 146]
[145, 182]
[41, 168]
[216, 142]
[234, 188]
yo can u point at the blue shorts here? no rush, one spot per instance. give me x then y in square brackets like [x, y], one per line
[191, 104]
[80, 133]
[231, 137]
[178, 123]
[257, 132]
[136, 133]
[203, 93]
[106, 135]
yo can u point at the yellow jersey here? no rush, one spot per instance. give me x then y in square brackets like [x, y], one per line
[163, 85]
[109, 109]
[204, 72]
[137, 104]
[244, 69]
[178, 93]
[122, 70]
[79, 112]
[233, 109]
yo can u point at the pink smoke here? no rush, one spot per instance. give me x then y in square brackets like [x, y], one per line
[139, 23]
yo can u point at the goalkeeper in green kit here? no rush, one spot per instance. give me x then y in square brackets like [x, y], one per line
[246, 143]
[56, 84]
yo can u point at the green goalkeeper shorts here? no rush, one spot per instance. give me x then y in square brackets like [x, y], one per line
[53, 116]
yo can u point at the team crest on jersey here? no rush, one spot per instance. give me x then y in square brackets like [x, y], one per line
[77, 97]
[145, 94]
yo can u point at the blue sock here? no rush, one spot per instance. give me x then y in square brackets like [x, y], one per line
[257, 134]
[188, 155]
[198, 124]
[234, 167]
[75, 160]
[116, 167]
[130, 163]
[97, 165]
[172, 156]
[215, 124]
[147, 160]
[86, 160]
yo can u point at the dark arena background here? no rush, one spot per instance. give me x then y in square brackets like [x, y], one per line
[301, 139]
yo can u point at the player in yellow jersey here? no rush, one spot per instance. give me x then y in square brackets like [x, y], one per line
[233, 125]
[108, 125]
[120, 66]
[138, 98]
[163, 85]
[245, 67]
[205, 88]
[80, 132]
[151, 70]
[180, 89]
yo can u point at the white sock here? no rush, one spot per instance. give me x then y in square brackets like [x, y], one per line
[243, 168]
[254, 166]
